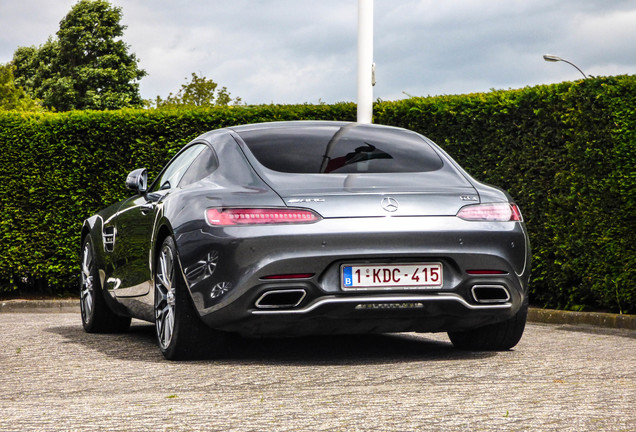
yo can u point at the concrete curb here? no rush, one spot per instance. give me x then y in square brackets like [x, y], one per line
[547, 316]
[40, 306]
[597, 319]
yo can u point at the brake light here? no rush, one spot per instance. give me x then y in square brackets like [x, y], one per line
[258, 216]
[496, 212]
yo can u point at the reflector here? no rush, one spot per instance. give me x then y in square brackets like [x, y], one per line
[486, 272]
[289, 276]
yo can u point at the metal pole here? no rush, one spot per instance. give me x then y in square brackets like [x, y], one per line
[365, 61]
[553, 58]
[577, 68]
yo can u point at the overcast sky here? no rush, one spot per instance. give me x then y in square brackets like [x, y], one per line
[296, 51]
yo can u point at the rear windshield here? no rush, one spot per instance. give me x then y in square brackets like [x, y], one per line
[352, 148]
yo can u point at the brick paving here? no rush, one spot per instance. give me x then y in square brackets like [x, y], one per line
[55, 377]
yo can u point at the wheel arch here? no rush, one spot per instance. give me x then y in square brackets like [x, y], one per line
[164, 231]
[90, 226]
[93, 227]
[85, 231]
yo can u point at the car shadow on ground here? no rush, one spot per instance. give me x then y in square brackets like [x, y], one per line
[139, 344]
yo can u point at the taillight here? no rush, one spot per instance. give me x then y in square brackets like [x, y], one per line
[258, 216]
[497, 212]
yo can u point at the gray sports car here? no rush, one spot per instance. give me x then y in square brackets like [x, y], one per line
[297, 228]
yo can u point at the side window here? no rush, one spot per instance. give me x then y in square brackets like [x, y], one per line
[171, 176]
[205, 163]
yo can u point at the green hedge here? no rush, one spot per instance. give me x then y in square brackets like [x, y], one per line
[567, 155]
[565, 152]
[58, 168]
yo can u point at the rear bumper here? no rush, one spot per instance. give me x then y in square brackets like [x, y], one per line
[375, 313]
[226, 292]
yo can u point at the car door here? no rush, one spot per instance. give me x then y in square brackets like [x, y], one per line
[134, 226]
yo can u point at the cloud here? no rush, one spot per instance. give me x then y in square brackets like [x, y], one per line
[290, 51]
[28, 22]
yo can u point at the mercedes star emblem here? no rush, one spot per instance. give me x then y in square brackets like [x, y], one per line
[389, 204]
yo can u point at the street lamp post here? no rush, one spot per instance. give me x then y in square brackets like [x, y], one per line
[553, 58]
[365, 61]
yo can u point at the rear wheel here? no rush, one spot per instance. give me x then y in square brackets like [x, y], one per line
[180, 332]
[494, 337]
[96, 315]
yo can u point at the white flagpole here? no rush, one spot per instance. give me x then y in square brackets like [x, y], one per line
[365, 61]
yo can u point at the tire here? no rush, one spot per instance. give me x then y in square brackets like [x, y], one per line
[494, 337]
[180, 332]
[97, 317]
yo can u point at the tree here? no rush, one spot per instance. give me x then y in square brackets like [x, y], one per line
[88, 66]
[200, 91]
[33, 68]
[13, 97]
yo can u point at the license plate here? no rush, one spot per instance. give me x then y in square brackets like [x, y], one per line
[390, 276]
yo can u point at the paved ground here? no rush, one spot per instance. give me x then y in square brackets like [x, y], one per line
[53, 376]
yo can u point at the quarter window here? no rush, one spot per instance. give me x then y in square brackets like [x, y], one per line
[171, 176]
[203, 166]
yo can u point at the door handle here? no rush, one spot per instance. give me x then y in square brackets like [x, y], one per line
[147, 208]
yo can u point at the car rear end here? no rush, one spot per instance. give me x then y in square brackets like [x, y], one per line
[375, 230]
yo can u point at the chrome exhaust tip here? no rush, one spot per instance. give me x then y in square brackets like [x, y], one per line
[280, 299]
[490, 293]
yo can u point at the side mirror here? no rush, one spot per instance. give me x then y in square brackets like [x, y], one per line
[137, 180]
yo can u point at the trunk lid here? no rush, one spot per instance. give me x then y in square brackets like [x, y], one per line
[440, 193]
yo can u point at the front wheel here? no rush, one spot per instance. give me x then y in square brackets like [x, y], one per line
[180, 332]
[96, 315]
[494, 337]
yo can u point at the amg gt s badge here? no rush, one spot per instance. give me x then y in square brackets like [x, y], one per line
[305, 200]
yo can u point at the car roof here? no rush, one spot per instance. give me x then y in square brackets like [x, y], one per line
[306, 124]
[286, 124]
[292, 124]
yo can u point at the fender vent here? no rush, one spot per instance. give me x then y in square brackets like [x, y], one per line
[109, 238]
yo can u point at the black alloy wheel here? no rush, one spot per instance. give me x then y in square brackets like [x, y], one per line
[180, 332]
[97, 317]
